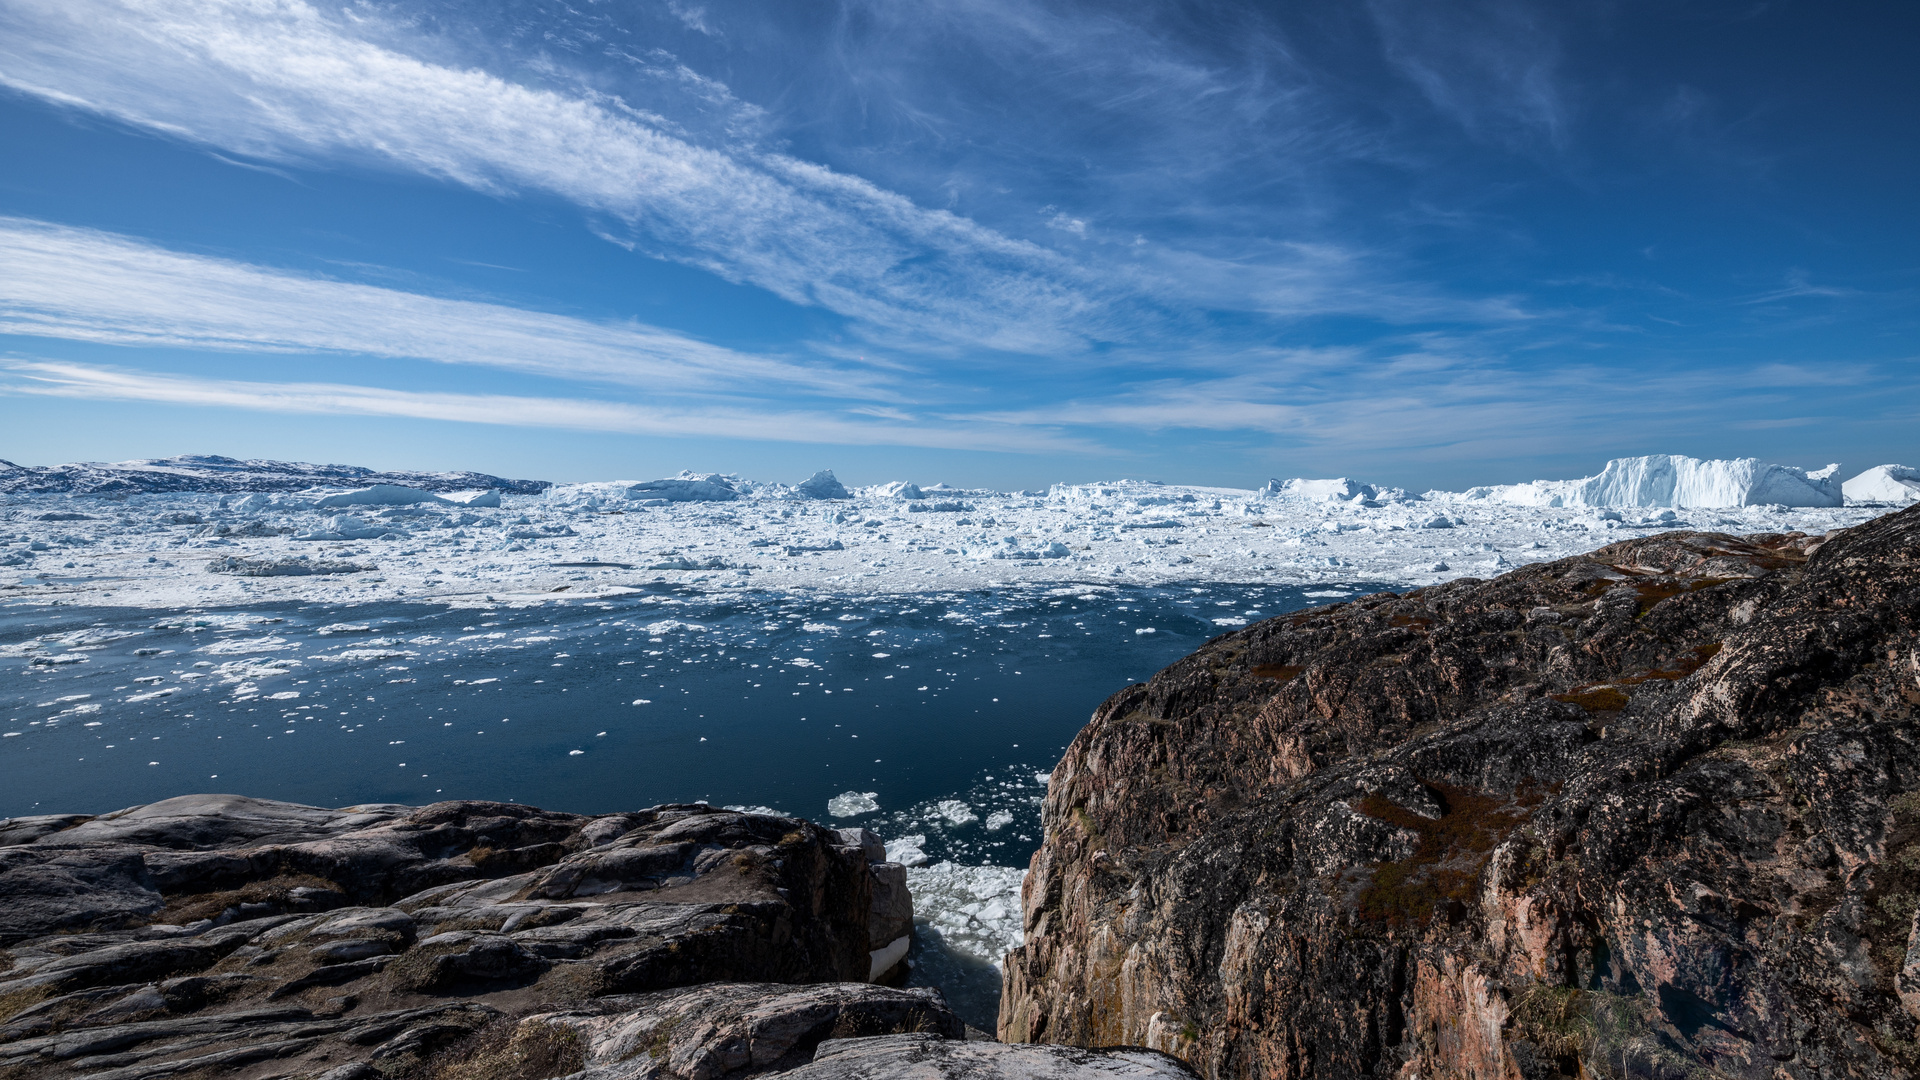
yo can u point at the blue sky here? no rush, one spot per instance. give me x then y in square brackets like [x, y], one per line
[978, 241]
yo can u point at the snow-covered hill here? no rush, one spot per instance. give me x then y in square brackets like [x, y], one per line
[224, 475]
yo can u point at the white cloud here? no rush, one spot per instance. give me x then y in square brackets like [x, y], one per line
[280, 80]
[85, 285]
[50, 378]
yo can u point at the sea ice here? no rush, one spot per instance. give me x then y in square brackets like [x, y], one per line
[853, 803]
[905, 850]
[955, 812]
[973, 910]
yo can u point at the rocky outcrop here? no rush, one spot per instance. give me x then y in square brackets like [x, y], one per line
[216, 935]
[1653, 811]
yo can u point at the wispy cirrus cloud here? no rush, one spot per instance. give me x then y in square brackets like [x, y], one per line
[52, 378]
[282, 81]
[287, 82]
[85, 285]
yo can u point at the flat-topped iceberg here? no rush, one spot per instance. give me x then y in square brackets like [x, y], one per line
[687, 487]
[383, 495]
[1884, 484]
[1675, 481]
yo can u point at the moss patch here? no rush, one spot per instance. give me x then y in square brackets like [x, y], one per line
[275, 890]
[506, 1050]
[1445, 867]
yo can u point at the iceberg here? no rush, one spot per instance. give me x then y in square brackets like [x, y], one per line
[1675, 481]
[687, 487]
[488, 497]
[1339, 489]
[822, 485]
[898, 489]
[1884, 484]
[382, 495]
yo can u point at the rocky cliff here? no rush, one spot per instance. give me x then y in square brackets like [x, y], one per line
[1652, 811]
[221, 936]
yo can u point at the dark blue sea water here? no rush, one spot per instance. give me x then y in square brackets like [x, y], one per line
[758, 699]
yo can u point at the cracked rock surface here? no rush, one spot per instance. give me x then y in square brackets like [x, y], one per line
[221, 936]
[1651, 811]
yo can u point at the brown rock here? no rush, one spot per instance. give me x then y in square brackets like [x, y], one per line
[1651, 810]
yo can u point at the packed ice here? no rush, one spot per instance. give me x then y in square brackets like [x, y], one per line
[141, 544]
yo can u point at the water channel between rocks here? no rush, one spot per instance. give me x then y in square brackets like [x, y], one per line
[942, 712]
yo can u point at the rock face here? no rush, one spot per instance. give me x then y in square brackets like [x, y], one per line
[217, 935]
[1647, 812]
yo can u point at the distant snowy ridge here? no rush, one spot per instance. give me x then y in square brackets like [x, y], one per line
[224, 475]
[1673, 481]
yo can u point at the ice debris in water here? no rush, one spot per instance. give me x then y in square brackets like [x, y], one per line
[956, 812]
[905, 850]
[998, 820]
[853, 803]
[970, 910]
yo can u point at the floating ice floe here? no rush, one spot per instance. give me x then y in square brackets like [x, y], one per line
[972, 910]
[955, 812]
[853, 803]
[905, 850]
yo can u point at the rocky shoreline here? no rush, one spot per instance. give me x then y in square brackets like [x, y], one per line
[1651, 811]
[216, 935]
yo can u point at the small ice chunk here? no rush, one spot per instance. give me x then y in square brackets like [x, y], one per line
[956, 812]
[998, 820]
[905, 850]
[853, 803]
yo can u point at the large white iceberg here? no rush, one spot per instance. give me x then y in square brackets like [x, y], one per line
[1677, 481]
[1884, 484]
[822, 485]
[1339, 489]
[687, 487]
[381, 495]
